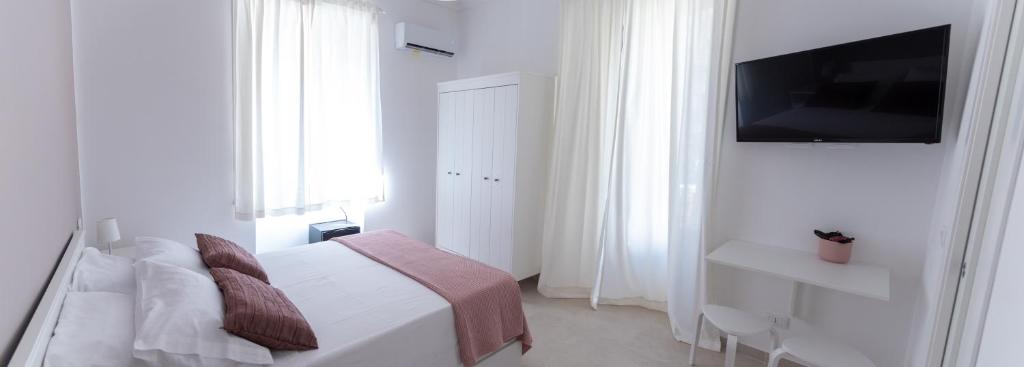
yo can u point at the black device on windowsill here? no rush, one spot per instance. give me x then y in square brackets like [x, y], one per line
[327, 230]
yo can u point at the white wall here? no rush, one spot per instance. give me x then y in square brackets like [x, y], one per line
[497, 36]
[883, 194]
[155, 97]
[39, 192]
[409, 99]
[153, 82]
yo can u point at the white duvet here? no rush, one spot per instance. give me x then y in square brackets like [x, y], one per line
[363, 313]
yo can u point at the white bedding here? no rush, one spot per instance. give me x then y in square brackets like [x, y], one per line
[363, 313]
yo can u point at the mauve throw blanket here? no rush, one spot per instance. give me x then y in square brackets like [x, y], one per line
[486, 301]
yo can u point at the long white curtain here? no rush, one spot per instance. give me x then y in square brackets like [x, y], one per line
[639, 117]
[307, 105]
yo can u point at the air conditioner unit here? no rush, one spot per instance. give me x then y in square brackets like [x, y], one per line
[417, 37]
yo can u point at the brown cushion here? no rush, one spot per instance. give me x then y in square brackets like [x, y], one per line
[220, 253]
[261, 313]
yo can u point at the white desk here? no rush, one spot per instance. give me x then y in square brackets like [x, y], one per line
[804, 267]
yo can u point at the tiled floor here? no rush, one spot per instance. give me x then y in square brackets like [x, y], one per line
[569, 333]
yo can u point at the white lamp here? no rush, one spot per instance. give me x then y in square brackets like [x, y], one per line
[106, 232]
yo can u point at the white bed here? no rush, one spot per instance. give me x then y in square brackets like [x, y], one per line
[363, 313]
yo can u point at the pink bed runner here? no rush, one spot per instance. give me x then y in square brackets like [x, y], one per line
[486, 301]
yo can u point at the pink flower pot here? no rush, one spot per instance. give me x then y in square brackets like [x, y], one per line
[834, 252]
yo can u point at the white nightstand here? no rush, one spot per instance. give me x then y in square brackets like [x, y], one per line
[127, 251]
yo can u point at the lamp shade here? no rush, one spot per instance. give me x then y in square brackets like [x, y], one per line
[106, 230]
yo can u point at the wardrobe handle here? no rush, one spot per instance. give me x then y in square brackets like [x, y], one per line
[449, 172]
[486, 178]
[497, 179]
[457, 174]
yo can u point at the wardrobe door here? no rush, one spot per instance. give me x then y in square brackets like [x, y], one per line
[503, 181]
[482, 151]
[463, 221]
[445, 169]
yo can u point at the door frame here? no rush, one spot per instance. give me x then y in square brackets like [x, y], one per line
[1002, 170]
[991, 158]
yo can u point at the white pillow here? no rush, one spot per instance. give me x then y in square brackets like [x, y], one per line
[98, 272]
[180, 318]
[171, 253]
[94, 329]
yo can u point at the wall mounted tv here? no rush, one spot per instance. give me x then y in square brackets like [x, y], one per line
[881, 90]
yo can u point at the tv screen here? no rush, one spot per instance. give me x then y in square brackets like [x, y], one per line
[881, 90]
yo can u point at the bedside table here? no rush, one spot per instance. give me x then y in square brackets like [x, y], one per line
[126, 251]
[327, 230]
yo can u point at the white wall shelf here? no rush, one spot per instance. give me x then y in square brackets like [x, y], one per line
[804, 267]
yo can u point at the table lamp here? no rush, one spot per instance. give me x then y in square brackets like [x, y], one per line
[106, 232]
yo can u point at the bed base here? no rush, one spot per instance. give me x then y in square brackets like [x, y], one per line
[32, 347]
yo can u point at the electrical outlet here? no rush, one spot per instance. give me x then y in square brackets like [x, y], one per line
[779, 321]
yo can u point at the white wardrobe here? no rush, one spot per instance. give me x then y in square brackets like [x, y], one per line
[493, 142]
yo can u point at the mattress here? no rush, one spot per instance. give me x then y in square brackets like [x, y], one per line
[365, 313]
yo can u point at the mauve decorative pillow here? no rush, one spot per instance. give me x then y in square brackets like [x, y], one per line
[261, 313]
[220, 253]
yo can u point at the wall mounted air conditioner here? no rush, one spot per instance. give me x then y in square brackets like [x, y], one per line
[417, 37]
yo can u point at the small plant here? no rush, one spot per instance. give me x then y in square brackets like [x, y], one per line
[834, 236]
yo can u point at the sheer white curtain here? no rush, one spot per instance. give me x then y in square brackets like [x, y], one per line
[587, 108]
[307, 105]
[640, 109]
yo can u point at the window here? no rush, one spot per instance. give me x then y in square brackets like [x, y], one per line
[307, 106]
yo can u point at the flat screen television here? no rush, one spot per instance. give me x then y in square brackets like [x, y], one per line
[882, 90]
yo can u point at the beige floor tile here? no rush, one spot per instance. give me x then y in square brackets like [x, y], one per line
[569, 333]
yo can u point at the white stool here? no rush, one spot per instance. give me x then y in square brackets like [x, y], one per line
[818, 353]
[732, 322]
